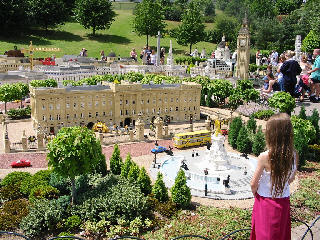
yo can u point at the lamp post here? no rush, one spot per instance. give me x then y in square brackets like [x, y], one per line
[205, 180]
[155, 159]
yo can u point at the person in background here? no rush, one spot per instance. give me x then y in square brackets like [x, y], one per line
[304, 77]
[162, 52]
[143, 55]
[270, 84]
[148, 55]
[153, 58]
[282, 58]
[102, 56]
[258, 58]
[133, 54]
[315, 77]
[290, 69]
[276, 169]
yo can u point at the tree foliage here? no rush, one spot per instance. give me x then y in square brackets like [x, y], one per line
[48, 13]
[133, 173]
[252, 124]
[149, 18]
[192, 27]
[125, 168]
[282, 101]
[180, 192]
[243, 141]
[73, 152]
[95, 14]
[259, 142]
[310, 42]
[144, 181]
[221, 89]
[234, 129]
[159, 189]
[116, 161]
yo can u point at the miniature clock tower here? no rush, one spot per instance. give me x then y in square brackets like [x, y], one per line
[243, 50]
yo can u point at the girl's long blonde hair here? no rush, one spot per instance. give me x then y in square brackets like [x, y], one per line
[279, 138]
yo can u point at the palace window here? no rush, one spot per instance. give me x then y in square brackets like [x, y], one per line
[89, 115]
[43, 107]
[68, 116]
[58, 116]
[127, 102]
[126, 112]
[82, 104]
[97, 114]
[81, 115]
[50, 106]
[103, 103]
[43, 117]
[104, 113]
[74, 105]
[51, 118]
[120, 112]
[133, 102]
[75, 116]
[58, 106]
[177, 109]
[111, 113]
[97, 103]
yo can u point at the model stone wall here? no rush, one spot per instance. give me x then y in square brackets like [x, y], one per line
[119, 104]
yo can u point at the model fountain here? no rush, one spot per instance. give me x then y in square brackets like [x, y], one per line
[214, 172]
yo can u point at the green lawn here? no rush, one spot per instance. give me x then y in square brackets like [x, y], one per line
[120, 38]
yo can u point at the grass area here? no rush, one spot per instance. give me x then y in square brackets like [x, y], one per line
[120, 38]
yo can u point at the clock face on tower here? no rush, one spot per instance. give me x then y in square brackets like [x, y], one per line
[242, 42]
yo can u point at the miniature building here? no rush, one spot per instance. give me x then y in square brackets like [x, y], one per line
[120, 104]
[243, 51]
[112, 57]
[223, 51]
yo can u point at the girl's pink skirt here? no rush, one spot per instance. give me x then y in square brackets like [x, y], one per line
[271, 219]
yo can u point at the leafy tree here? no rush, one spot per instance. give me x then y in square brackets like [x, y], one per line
[44, 83]
[209, 102]
[116, 161]
[159, 189]
[252, 124]
[73, 152]
[243, 141]
[192, 27]
[221, 89]
[261, 8]
[23, 90]
[259, 142]
[149, 18]
[95, 14]
[310, 42]
[13, 16]
[309, 16]
[144, 181]
[282, 101]
[234, 130]
[287, 6]
[8, 93]
[133, 173]
[180, 192]
[125, 168]
[48, 13]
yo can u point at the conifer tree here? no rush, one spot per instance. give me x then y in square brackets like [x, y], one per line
[126, 166]
[243, 141]
[234, 129]
[144, 181]
[252, 124]
[133, 172]
[302, 113]
[180, 192]
[159, 189]
[259, 142]
[116, 161]
[314, 119]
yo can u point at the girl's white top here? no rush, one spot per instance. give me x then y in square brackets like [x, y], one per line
[264, 188]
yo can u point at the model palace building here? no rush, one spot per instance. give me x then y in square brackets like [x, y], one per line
[114, 104]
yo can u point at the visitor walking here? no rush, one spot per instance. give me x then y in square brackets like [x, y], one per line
[315, 77]
[133, 54]
[282, 59]
[290, 69]
[102, 56]
[276, 169]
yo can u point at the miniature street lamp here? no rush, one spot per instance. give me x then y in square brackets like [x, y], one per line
[205, 179]
[155, 159]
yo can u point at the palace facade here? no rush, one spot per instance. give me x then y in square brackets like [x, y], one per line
[114, 104]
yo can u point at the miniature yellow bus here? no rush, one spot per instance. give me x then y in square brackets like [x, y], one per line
[190, 139]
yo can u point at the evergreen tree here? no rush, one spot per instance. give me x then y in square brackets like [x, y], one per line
[314, 119]
[126, 166]
[133, 172]
[180, 192]
[144, 181]
[259, 142]
[116, 161]
[252, 124]
[302, 113]
[159, 189]
[243, 141]
[234, 129]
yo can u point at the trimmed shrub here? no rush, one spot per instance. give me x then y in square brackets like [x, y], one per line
[243, 141]
[126, 166]
[180, 192]
[41, 177]
[12, 213]
[19, 113]
[61, 183]
[44, 216]
[41, 192]
[263, 114]
[259, 142]
[72, 223]
[144, 181]
[15, 178]
[10, 192]
[252, 124]
[282, 101]
[302, 113]
[159, 189]
[133, 172]
[234, 130]
[314, 119]
[116, 161]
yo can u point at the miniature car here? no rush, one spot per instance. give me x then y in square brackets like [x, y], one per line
[158, 149]
[224, 132]
[21, 163]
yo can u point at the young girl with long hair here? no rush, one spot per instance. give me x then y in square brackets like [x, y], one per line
[276, 169]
